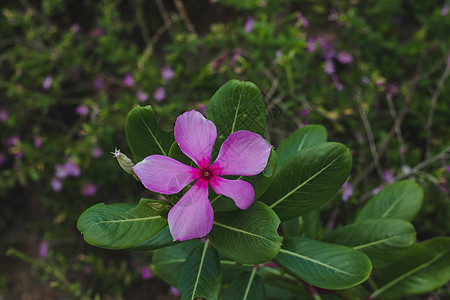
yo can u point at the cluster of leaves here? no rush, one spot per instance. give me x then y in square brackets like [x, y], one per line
[303, 174]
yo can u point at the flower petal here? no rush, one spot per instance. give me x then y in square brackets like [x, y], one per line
[240, 191]
[164, 175]
[192, 216]
[196, 136]
[243, 153]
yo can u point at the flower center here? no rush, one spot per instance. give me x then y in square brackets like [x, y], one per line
[206, 173]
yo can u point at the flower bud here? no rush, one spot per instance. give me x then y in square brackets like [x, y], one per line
[126, 163]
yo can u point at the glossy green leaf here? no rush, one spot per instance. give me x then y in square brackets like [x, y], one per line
[424, 268]
[399, 200]
[160, 240]
[144, 135]
[260, 183]
[247, 236]
[168, 262]
[308, 179]
[382, 240]
[246, 286]
[201, 275]
[230, 268]
[324, 265]
[303, 138]
[237, 105]
[120, 226]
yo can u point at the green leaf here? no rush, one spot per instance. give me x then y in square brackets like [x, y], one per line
[308, 179]
[168, 262]
[230, 268]
[144, 135]
[160, 240]
[237, 105]
[324, 265]
[424, 268]
[303, 138]
[400, 200]
[246, 286]
[120, 226]
[260, 183]
[382, 240]
[247, 236]
[201, 275]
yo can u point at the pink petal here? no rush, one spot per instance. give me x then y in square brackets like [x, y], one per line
[240, 191]
[196, 136]
[164, 175]
[243, 153]
[192, 216]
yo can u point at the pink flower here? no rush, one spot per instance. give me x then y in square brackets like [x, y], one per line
[344, 57]
[89, 189]
[142, 96]
[43, 249]
[82, 110]
[37, 142]
[96, 152]
[388, 176]
[75, 27]
[243, 153]
[47, 83]
[444, 10]
[146, 273]
[159, 94]
[98, 31]
[304, 112]
[56, 184]
[3, 158]
[329, 67]
[167, 73]
[347, 191]
[303, 21]
[249, 24]
[99, 83]
[311, 45]
[173, 291]
[128, 80]
[4, 115]
[336, 82]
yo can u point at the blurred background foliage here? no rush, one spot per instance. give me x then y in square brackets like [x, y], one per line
[374, 73]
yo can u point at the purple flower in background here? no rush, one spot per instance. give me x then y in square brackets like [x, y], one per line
[167, 73]
[444, 10]
[392, 90]
[311, 44]
[159, 94]
[202, 108]
[237, 53]
[328, 67]
[56, 184]
[388, 176]
[142, 96]
[243, 153]
[13, 141]
[347, 191]
[96, 152]
[43, 249]
[99, 83]
[173, 291]
[82, 110]
[47, 83]
[97, 31]
[333, 15]
[249, 24]
[88, 189]
[302, 20]
[336, 82]
[4, 115]
[69, 168]
[37, 142]
[3, 158]
[128, 80]
[304, 112]
[146, 273]
[365, 80]
[327, 44]
[344, 57]
[75, 27]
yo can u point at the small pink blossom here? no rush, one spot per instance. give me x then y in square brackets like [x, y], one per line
[243, 153]
[146, 273]
[344, 57]
[392, 90]
[99, 83]
[388, 176]
[336, 82]
[96, 152]
[75, 27]
[142, 96]
[444, 10]
[347, 191]
[3, 158]
[44, 246]
[69, 168]
[159, 94]
[128, 80]
[304, 112]
[329, 67]
[237, 53]
[37, 142]
[47, 83]
[88, 189]
[166, 73]
[327, 46]
[249, 24]
[13, 141]
[303, 21]
[333, 16]
[365, 80]
[173, 291]
[310, 44]
[82, 110]
[98, 31]
[4, 115]
[56, 184]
